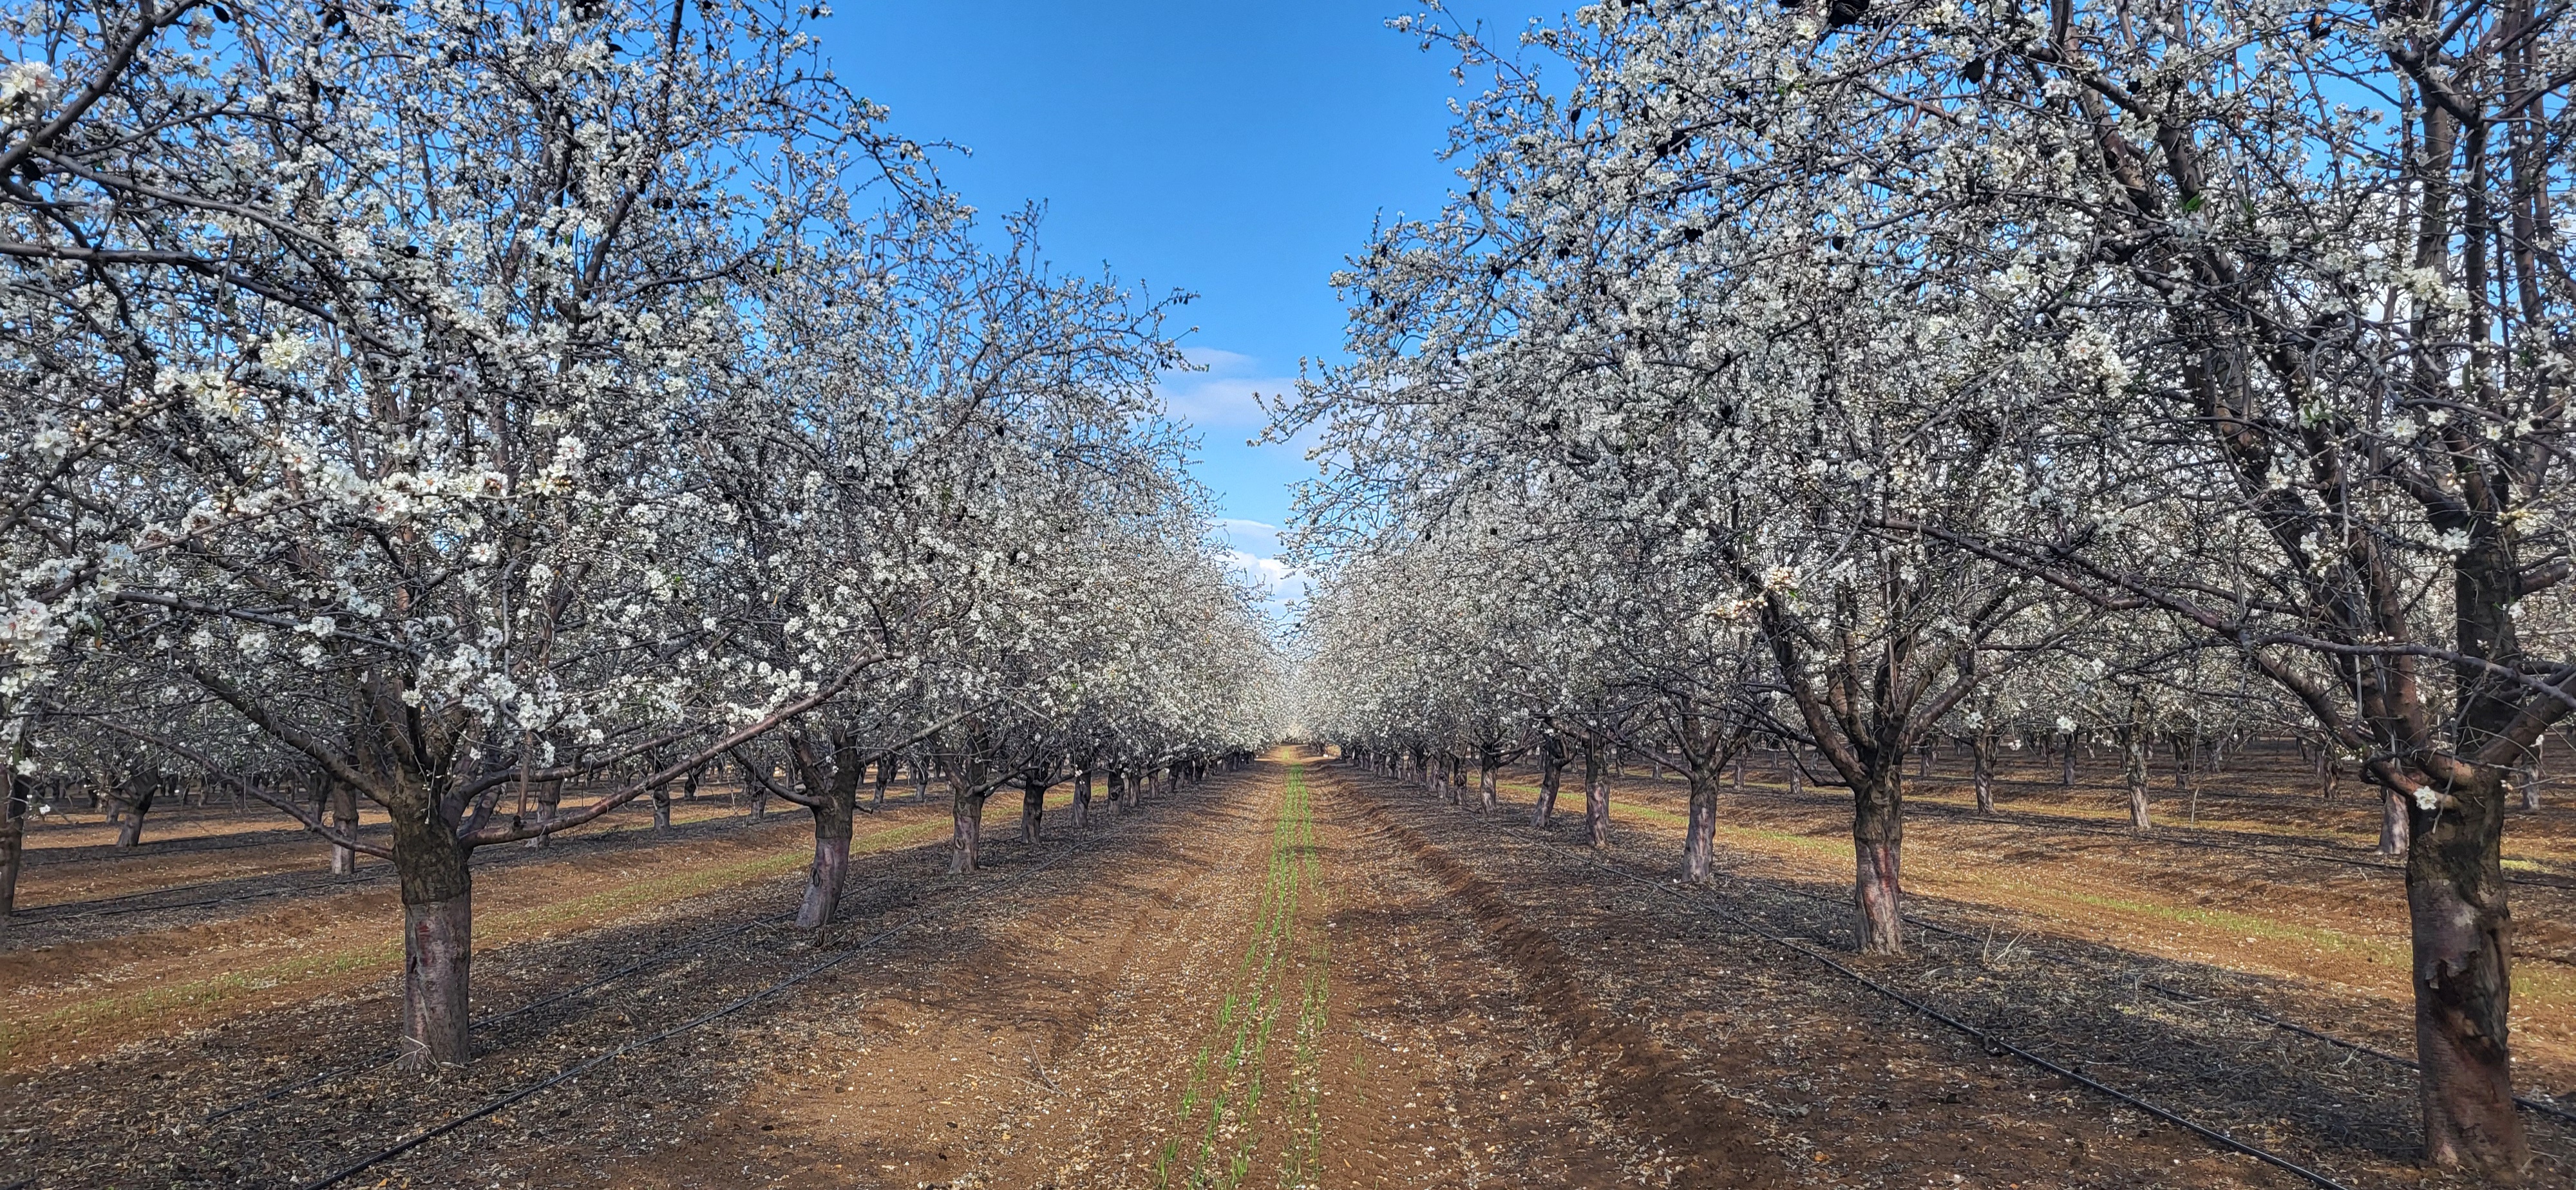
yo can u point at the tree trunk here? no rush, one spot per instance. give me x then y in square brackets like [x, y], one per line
[1699, 834]
[1032, 809]
[1984, 758]
[13, 839]
[2067, 776]
[2463, 946]
[1082, 799]
[1118, 790]
[1486, 801]
[344, 817]
[968, 809]
[2394, 830]
[438, 938]
[1596, 796]
[1878, 846]
[831, 870]
[549, 796]
[133, 801]
[661, 809]
[1551, 771]
[885, 777]
[2134, 743]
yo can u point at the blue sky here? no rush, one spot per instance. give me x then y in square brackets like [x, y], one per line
[1238, 151]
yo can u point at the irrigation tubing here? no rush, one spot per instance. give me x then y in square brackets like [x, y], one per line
[569, 1073]
[389, 1053]
[1993, 1045]
[2182, 997]
[108, 907]
[2163, 834]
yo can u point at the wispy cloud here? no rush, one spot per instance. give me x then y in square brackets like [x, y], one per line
[1222, 396]
[1252, 549]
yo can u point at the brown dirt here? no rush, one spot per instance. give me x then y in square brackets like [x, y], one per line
[2307, 904]
[1330, 981]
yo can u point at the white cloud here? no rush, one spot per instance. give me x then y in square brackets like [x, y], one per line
[1252, 549]
[1252, 537]
[1221, 397]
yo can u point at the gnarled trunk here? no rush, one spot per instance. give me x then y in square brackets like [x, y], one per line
[1699, 833]
[831, 869]
[438, 937]
[1486, 762]
[1032, 808]
[133, 800]
[1082, 799]
[1551, 772]
[661, 809]
[1878, 846]
[2394, 829]
[968, 811]
[2463, 947]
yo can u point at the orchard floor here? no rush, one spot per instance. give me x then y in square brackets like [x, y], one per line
[1293, 975]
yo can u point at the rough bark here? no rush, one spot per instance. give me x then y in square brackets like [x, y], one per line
[1699, 834]
[344, 817]
[661, 808]
[1984, 745]
[1082, 799]
[1032, 808]
[2463, 945]
[1487, 761]
[13, 840]
[438, 936]
[131, 802]
[1596, 796]
[1878, 845]
[1551, 772]
[831, 868]
[2394, 830]
[967, 806]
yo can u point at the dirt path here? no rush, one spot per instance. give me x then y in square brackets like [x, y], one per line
[1280, 998]
[1295, 975]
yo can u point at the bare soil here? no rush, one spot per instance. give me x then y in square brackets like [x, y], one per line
[1293, 975]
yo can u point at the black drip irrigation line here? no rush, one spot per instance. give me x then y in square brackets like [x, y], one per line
[388, 1054]
[2174, 994]
[373, 873]
[1994, 1046]
[2166, 833]
[569, 1073]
